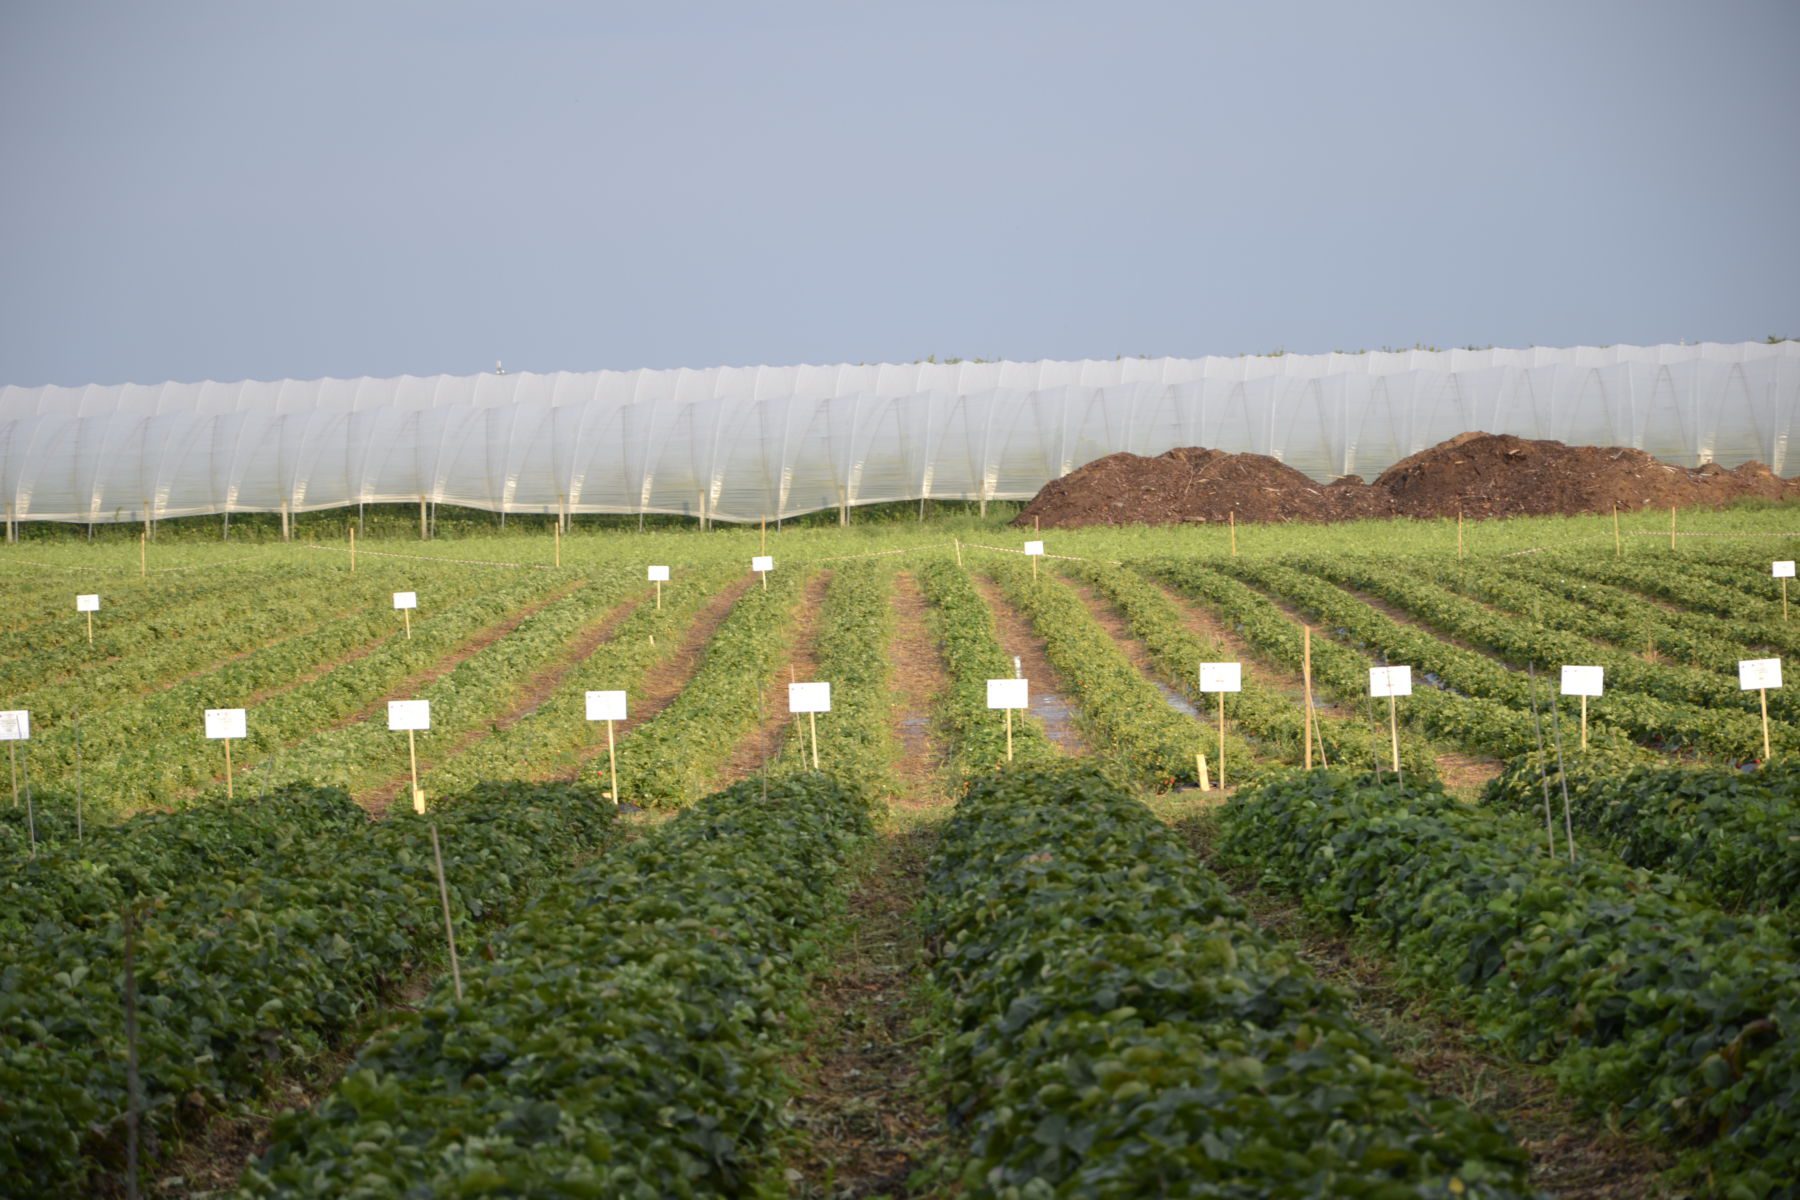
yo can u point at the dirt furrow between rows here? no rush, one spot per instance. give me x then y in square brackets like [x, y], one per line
[918, 680]
[1051, 701]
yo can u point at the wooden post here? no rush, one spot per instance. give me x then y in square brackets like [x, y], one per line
[1584, 722]
[353, 549]
[612, 762]
[1459, 538]
[412, 757]
[143, 556]
[958, 542]
[812, 720]
[1762, 696]
[406, 618]
[1618, 545]
[437, 855]
[12, 760]
[1008, 753]
[90, 617]
[1306, 689]
[559, 541]
[762, 529]
[1671, 527]
[422, 532]
[1783, 602]
[1394, 732]
[1221, 741]
[1232, 516]
[659, 595]
[1200, 771]
[228, 793]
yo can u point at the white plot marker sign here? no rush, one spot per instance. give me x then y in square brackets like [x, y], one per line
[1221, 677]
[811, 699]
[224, 724]
[659, 576]
[1008, 694]
[1391, 682]
[1034, 551]
[89, 604]
[411, 715]
[609, 707]
[405, 602]
[15, 726]
[1583, 682]
[762, 564]
[1759, 675]
[1784, 571]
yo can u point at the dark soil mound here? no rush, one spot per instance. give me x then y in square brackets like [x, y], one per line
[1195, 485]
[1497, 475]
[1478, 474]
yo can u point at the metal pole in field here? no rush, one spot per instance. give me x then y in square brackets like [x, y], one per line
[449, 926]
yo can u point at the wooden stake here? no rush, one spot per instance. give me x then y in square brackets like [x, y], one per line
[812, 720]
[353, 549]
[90, 615]
[406, 619]
[1306, 686]
[1394, 732]
[763, 531]
[1459, 540]
[1584, 723]
[1200, 771]
[1783, 603]
[1618, 545]
[958, 542]
[1008, 752]
[412, 757]
[1671, 527]
[1221, 741]
[437, 855]
[659, 595]
[1034, 568]
[559, 541]
[1762, 696]
[612, 762]
[12, 760]
[1232, 516]
[422, 531]
[228, 794]
[143, 555]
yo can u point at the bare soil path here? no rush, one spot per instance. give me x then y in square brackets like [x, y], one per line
[918, 681]
[754, 752]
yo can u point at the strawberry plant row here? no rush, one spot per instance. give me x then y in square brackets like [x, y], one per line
[130, 758]
[1275, 721]
[1675, 706]
[1126, 719]
[549, 741]
[1736, 834]
[482, 686]
[856, 742]
[964, 629]
[1121, 1030]
[328, 621]
[673, 758]
[1671, 582]
[243, 973]
[626, 1037]
[1476, 723]
[1650, 1003]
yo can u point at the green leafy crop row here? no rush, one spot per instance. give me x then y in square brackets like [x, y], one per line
[1736, 834]
[972, 655]
[1123, 714]
[1651, 1003]
[626, 1038]
[1120, 1029]
[241, 970]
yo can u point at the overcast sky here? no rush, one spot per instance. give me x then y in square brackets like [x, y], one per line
[221, 191]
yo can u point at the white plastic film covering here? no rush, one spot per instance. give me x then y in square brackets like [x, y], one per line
[743, 443]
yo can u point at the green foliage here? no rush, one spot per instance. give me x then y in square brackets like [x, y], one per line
[1651, 1003]
[972, 656]
[626, 1038]
[1126, 719]
[1122, 1030]
[257, 963]
[1735, 833]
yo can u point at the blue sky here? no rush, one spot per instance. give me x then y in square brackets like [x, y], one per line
[243, 190]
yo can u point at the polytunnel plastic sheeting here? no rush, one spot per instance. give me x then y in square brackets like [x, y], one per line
[740, 443]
